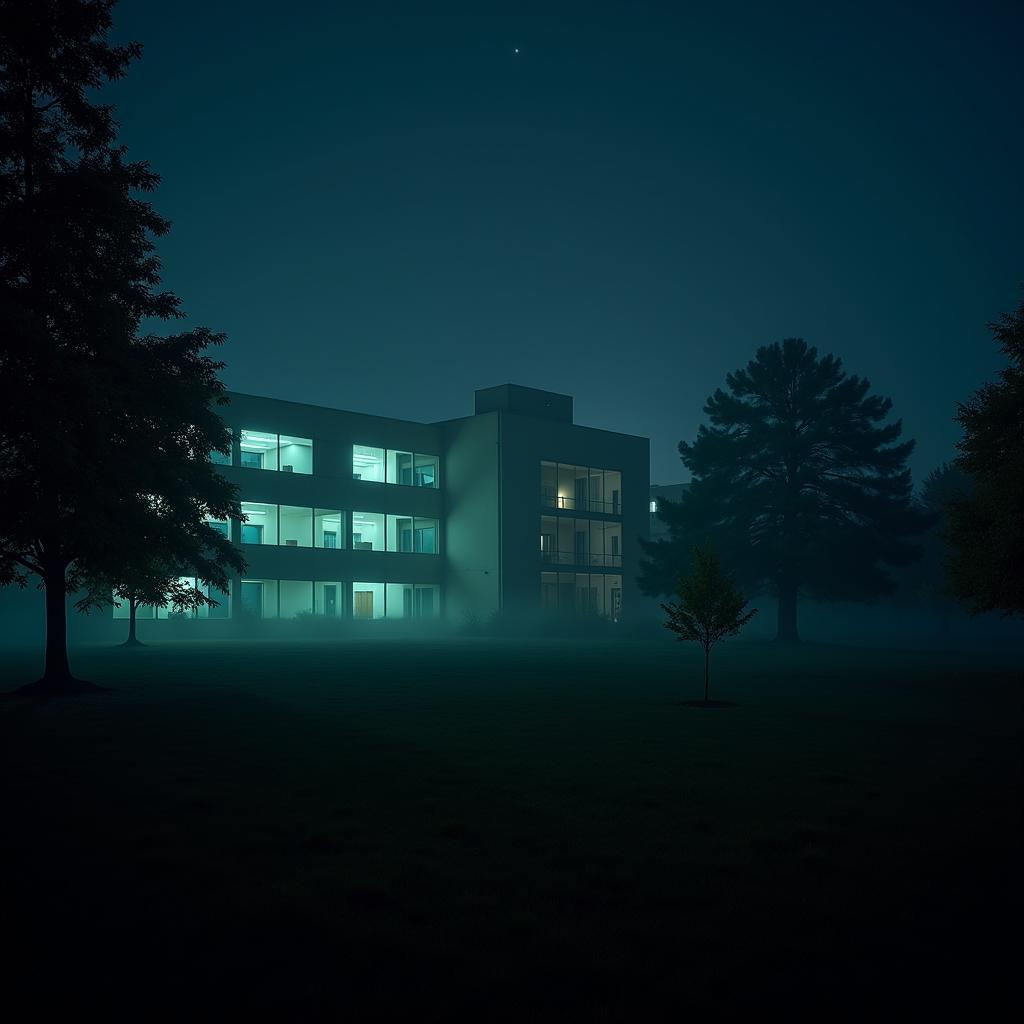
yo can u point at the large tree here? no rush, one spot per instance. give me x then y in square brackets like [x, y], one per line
[799, 481]
[986, 528]
[101, 428]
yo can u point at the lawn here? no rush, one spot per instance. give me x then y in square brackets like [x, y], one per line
[514, 830]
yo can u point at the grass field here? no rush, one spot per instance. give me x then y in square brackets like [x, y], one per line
[498, 830]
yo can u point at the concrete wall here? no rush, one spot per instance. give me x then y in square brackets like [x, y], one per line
[471, 527]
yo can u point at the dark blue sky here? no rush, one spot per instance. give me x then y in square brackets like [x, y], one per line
[385, 207]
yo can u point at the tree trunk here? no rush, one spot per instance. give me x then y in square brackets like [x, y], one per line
[707, 660]
[56, 670]
[57, 677]
[787, 632]
[133, 640]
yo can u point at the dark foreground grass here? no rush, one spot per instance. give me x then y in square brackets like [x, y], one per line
[491, 830]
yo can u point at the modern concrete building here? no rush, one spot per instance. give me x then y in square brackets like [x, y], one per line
[514, 508]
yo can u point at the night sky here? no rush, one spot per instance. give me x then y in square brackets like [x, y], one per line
[386, 207]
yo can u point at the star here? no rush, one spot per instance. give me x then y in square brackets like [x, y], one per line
[516, 50]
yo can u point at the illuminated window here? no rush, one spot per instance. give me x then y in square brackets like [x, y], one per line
[426, 471]
[412, 600]
[654, 505]
[296, 454]
[393, 466]
[260, 526]
[367, 463]
[329, 599]
[412, 534]
[258, 449]
[261, 449]
[328, 528]
[399, 468]
[580, 488]
[296, 527]
[367, 531]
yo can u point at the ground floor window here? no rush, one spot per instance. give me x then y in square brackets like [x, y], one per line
[412, 600]
[289, 599]
[582, 593]
[259, 598]
[280, 599]
[329, 599]
[396, 600]
[296, 597]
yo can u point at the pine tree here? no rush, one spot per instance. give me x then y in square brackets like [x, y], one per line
[104, 434]
[800, 484]
[986, 528]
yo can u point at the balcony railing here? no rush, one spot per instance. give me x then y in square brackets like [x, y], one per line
[578, 558]
[570, 503]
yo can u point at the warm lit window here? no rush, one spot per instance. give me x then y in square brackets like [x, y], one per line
[580, 488]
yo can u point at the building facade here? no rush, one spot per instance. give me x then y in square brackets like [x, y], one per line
[514, 508]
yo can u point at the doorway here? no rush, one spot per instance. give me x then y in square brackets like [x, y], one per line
[363, 604]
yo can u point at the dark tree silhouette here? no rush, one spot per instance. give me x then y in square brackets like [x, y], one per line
[152, 560]
[927, 584]
[799, 483]
[709, 609]
[159, 590]
[100, 429]
[986, 529]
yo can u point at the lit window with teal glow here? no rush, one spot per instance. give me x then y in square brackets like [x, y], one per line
[394, 466]
[261, 449]
[368, 531]
[328, 528]
[367, 463]
[412, 534]
[260, 526]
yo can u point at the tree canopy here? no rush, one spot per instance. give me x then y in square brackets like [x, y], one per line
[986, 529]
[105, 433]
[799, 480]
